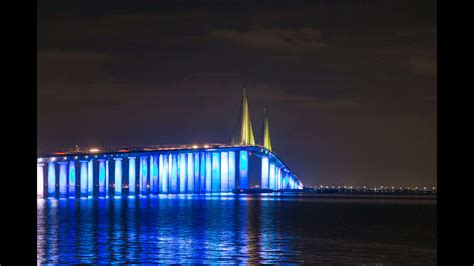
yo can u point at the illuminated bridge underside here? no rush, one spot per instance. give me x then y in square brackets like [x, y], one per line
[171, 171]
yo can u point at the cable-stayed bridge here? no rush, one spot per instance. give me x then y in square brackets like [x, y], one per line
[168, 169]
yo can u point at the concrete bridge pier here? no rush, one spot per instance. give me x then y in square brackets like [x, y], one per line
[132, 171]
[84, 178]
[243, 170]
[63, 179]
[71, 189]
[40, 180]
[118, 184]
[102, 175]
[143, 175]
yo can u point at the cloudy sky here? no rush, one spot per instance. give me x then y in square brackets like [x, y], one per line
[350, 85]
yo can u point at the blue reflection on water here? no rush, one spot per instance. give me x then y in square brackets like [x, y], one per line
[223, 228]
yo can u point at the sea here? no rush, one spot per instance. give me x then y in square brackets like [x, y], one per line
[277, 228]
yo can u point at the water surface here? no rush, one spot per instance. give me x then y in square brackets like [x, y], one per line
[230, 229]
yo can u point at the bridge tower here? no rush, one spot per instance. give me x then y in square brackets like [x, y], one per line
[265, 132]
[243, 133]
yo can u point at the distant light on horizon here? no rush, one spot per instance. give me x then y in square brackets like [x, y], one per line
[94, 150]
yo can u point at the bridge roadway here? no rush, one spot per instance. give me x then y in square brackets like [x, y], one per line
[174, 169]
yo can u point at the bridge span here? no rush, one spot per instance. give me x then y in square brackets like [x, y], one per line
[169, 169]
[152, 171]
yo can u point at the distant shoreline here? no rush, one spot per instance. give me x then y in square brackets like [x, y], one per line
[362, 195]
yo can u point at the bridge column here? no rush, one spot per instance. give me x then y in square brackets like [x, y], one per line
[90, 178]
[151, 159]
[208, 174]
[118, 176]
[231, 158]
[40, 180]
[224, 171]
[243, 170]
[182, 173]
[216, 173]
[84, 178]
[71, 192]
[272, 178]
[132, 183]
[272, 171]
[190, 172]
[51, 179]
[154, 183]
[63, 179]
[264, 183]
[164, 173]
[143, 175]
[197, 181]
[282, 177]
[107, 178]
[202, 173]
[290, 182]
[102, 177]
[173, 173]
[277, 178]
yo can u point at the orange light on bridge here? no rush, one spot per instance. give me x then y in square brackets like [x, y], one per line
[60, 153]
[123, 150]
[94, 150]
[195, 146]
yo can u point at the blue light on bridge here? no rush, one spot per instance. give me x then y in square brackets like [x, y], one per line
[190, 172]
[102, 188]
[39, 181]
[164, 175]
[290, 183]
[197, 181]
[84, 178]
[216, 175]
[231, 170]
[272, 173]
[160, 173]
[132, 176]
[202, 175]
[143, 175]
[264, 174]
[154, 175]
[182, 172]
[286, 179]
[107, 176]
[208, 173]
[72, 179]
[243, 170]
[90, 179]
[118, 177]
[278, 179]
[63, 179]
[224, 171]
[151, 173]
[174, 174]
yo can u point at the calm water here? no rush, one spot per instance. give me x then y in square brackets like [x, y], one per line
[229, 229]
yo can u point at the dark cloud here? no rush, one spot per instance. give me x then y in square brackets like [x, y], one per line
[295, 40]
[423, 66]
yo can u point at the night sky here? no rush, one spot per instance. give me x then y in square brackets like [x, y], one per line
[350, 85]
